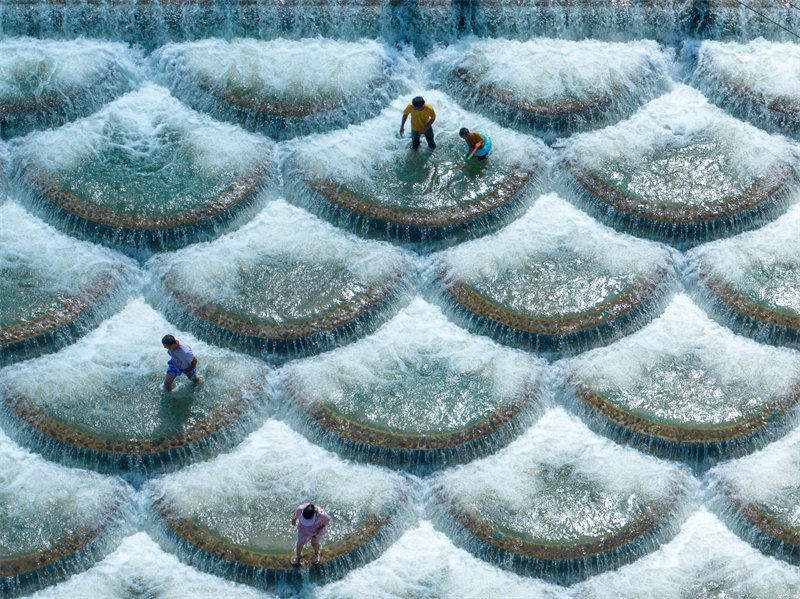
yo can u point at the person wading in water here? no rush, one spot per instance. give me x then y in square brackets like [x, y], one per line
[312, 523]
[422, 117]
[478, 144]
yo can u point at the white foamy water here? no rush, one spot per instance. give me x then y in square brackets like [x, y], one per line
[424, 564]
[42, 503]
[680, 149]
[559, 483]
[769, 478]
[146, 122]
[109, 382]
[763, 265]
[554, 69]
[36, 68]
[417, 373]
[282, 69]
[554, 259]
[705, 560]
[771, 70]
[281, 240]
[248, 496]
[685, 369]
[42, 267]
[362, 153]
[138, 568]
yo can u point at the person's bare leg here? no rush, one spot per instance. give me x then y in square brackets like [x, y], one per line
[168, 382]
[297, 551]
[196, 381]
[315, 546]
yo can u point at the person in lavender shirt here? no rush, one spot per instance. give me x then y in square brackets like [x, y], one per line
[181, 361]
[312, 523]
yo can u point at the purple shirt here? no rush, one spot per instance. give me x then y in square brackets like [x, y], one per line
[316, 529]
[182, 357]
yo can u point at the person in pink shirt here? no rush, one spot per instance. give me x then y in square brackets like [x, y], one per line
[312, 523]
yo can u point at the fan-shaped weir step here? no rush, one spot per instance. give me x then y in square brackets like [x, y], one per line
[752, 281]
[286, 283]
[368, 179]
[703, 560]
[144, 172]
[552, 86]
[45, 83]
[660, 19]
[560, 502]
[101, 398]
[282, 87]
[681, 170]
[424, 563]
[555, 280]
[52, 288]
[152, 23]
[53, 520]
[728, 19]
[232, 514]
[420, 391]
[758, 496]
[139, 568]
[685, 386]
[758, 81]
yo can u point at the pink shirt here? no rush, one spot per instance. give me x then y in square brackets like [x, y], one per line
[317, 528]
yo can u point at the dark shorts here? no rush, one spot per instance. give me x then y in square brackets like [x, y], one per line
[174, 370]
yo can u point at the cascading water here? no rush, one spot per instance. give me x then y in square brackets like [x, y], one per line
[569, 371]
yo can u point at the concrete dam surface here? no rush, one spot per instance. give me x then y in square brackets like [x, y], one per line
[567, 369]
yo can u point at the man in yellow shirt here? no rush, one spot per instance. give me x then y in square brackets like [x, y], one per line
[422, 117]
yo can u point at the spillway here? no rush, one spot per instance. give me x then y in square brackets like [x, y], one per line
[53, 288]
[282, 87]
[419, 391]
[554, 280]
[543, 84]
[560, 503]
[55, 520]
[682, 385]
[110, 410]
[369, 182]
[49, 82]
[165, 174]
[207, 509]
[638, 171]
[566, 369]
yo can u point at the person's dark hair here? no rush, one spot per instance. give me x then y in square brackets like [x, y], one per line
[418, 102]
[308, 511]
[464, 131]
[167, 340]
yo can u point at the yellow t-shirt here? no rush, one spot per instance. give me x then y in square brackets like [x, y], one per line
[419, 118]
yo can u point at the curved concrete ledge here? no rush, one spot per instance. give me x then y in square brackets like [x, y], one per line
[261, 331]
[238, 190]
[53, 429]
[536, 108]
[760, 193]
[725, 294]
[73, 310]
[281, 108]
[257, 564]
[502, 194]
[53, 564]
[557, 554]
[410, 444]
[782, 108]
[685, 434]
[604, 314]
